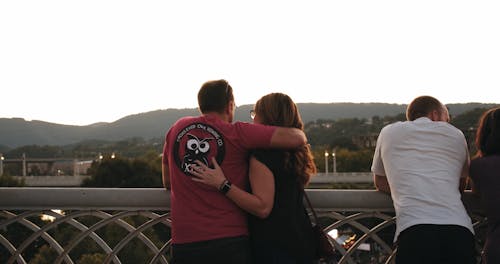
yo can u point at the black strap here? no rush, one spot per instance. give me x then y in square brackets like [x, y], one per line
[311, 207]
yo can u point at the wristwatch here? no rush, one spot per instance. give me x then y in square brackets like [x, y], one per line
[225, 187]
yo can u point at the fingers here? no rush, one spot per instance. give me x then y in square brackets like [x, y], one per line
[214, 162]
[196, 173]
[199, 176]
[199, 171]
[204, 174]
[196, 179]
[201, 164]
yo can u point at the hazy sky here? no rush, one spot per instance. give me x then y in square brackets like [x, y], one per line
[80, 62]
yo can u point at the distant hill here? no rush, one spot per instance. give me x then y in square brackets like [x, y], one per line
[15, 132]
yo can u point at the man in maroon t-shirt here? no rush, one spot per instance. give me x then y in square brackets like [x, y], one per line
[207, 227]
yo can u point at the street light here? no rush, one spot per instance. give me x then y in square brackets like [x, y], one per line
[334, 162]
[326, 162]
[113, 155]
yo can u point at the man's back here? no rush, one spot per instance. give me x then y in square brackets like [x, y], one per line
[423, 162]
[199, 212]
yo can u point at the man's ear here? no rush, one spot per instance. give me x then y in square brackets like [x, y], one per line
[230, 107]
[435, 116]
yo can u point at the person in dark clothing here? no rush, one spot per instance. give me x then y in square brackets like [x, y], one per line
[280, 228]
[485, 174]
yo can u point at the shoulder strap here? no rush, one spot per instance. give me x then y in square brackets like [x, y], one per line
[310, 206]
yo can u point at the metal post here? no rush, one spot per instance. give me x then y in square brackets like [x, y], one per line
[334, 162]
[1, 164]
[75, 167]
[326, 162]
[24, 164]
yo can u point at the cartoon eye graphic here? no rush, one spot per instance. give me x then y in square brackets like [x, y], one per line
[204, 147]
[197, 146]
[193, 144]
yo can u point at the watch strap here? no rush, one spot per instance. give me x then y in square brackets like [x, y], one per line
[225, 187]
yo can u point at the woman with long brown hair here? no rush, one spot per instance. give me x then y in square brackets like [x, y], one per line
[280, 228]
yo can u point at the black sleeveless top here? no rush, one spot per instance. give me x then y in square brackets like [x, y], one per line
[288, 227]
[485, 173]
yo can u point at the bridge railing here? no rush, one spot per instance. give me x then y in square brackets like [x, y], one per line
[103, 225]
[318, 181]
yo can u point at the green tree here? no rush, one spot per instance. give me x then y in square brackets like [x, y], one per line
[96, 258]
[468, 123]
[45, 255]
[37, 151]
[354, 161]
[8, 181]
[122, 172]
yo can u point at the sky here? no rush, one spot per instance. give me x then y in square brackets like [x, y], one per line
[82, 62]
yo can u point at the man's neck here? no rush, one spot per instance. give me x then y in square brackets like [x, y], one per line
[222, 117]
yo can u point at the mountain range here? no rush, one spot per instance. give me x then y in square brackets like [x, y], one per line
[15, 132]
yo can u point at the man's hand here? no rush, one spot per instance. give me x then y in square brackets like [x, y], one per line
[381, 183]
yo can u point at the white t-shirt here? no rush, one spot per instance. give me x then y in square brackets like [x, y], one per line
[423, 162]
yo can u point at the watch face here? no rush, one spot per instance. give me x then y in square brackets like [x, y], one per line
[226, 187]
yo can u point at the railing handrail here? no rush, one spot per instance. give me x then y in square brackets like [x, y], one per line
[30, 198]
[76, 180]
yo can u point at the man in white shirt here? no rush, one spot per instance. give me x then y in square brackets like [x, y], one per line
[423, 163]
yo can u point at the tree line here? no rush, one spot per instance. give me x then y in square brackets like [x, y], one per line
[137, 157]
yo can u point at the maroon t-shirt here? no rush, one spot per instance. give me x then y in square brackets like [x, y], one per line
[200, 212]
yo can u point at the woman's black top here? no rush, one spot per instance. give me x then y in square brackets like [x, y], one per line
[287, 229]
[485, 174]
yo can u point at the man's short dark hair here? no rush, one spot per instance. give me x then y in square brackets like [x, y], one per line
[214, 96]
[422, 106]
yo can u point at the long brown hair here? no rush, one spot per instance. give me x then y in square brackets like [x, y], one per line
[488, 133]
[278, 109]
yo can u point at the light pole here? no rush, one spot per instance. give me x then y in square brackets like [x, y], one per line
[24, 164]
[334, 162]
[326, 162]
[1, 164]
[76, 171]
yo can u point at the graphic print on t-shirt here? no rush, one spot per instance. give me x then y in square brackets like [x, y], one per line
[198, 142]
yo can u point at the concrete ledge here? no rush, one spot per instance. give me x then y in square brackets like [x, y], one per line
[52, 181]
[27, 198]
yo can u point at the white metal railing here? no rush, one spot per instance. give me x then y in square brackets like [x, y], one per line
[320, 179]
[138, 219]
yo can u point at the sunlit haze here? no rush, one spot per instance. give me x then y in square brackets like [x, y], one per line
[81, 62]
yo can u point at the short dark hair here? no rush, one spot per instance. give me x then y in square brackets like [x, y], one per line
[214, 96]
[422, 106]
[488, 133]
